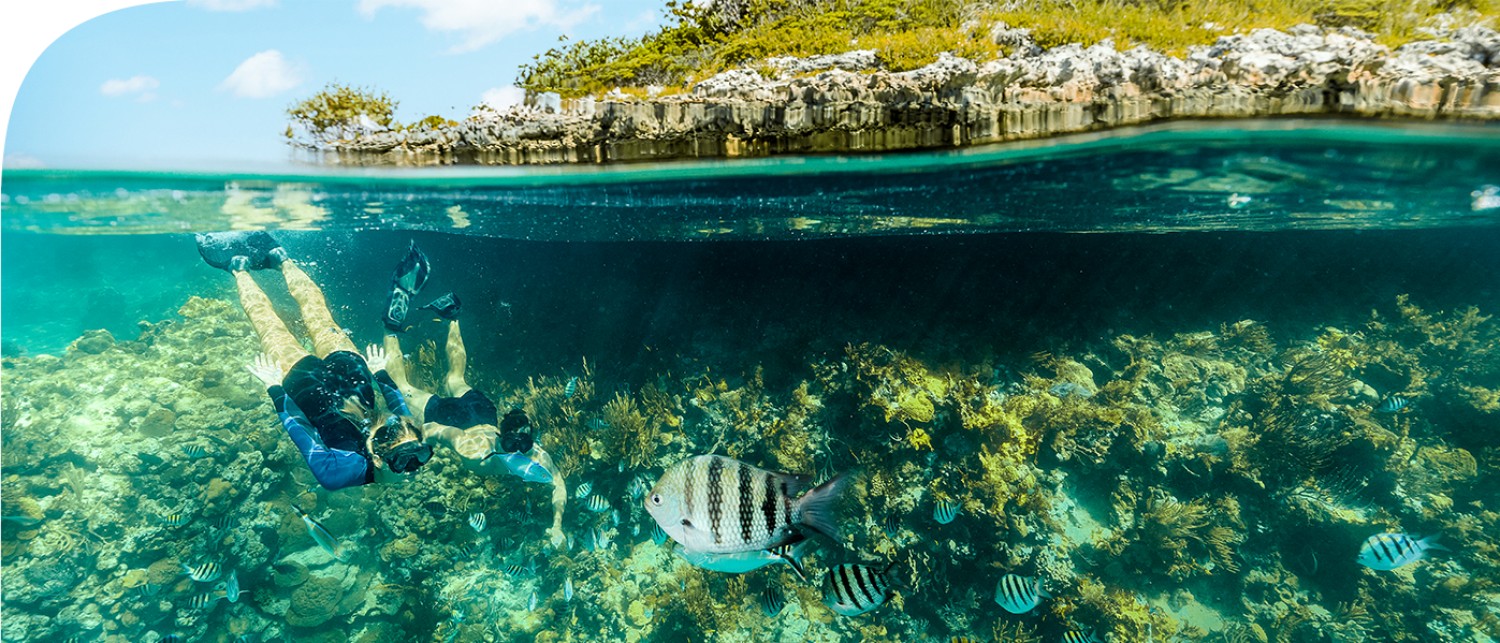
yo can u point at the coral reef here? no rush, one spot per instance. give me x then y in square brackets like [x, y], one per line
[1202, 486]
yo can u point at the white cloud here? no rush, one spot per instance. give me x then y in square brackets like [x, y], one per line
[481, 22]
[263, 75]
[22, 161]
[140, 86]
[230, 5]
[501, 98]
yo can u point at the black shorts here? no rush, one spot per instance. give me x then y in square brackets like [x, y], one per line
[320, 387]
[472, 409]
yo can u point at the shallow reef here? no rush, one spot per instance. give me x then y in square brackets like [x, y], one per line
[1208, 485]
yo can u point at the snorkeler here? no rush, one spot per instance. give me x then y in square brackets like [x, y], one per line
[466, 420]
[326, 400]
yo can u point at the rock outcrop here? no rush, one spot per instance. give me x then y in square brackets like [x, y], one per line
[832, 104]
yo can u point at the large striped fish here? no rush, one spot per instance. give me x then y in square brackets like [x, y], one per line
[851, 589]
[1387, 551]
[718, 505]
[1019, 594]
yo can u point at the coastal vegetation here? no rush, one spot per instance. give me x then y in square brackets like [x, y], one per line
[702, 39]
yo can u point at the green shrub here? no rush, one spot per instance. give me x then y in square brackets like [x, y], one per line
[339, 107]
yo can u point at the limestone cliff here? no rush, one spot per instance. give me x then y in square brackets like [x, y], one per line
[846, 104]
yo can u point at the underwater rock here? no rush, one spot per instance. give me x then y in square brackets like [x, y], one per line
[314, 602]
[93, 342]
[161, 421]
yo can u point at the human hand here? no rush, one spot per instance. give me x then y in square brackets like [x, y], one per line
[265, 370]
[375, 358]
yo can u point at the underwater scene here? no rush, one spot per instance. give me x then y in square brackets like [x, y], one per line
[1209, 382]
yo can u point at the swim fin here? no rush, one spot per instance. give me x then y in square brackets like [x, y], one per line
[259, 249]
[410, 276]
[446, 306]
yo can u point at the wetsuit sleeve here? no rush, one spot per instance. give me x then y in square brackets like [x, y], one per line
[334, 468]
[393, 398]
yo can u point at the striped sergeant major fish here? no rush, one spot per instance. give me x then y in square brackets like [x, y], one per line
[1392, 404]
[790, 554]
[321, 535]
[597, 504]
[945, 511]
[204, 573]
[850, 589]
[571, 388]
[1019, 594]
[1387, 551]
[1078, 636]
[719, 505]
[771, 601]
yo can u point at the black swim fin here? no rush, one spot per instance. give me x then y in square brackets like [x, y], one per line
[446, 306]
[259, 249]
[410, 276]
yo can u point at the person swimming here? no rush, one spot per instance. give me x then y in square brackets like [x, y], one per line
[465, 420]
[347, 435]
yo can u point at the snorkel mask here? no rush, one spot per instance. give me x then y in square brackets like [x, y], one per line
[399, 445]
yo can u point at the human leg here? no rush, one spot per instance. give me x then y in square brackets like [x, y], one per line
[458, 361]
[275, 340]
[395, 366]
[327, 336]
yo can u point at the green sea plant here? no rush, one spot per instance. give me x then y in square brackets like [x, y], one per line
[628, 435]
[902, 388]
[1161, 534]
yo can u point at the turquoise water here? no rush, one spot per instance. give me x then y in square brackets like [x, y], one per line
[1153, 369]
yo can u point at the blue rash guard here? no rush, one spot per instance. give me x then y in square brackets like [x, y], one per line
[334, 468]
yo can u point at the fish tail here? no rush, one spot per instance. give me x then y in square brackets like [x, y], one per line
[1431, 542]
[817, 506]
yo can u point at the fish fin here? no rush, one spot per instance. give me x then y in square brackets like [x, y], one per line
[816, 507]
[796, 483]
[796, 565]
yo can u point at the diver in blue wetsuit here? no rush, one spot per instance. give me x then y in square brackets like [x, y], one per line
[326, 398]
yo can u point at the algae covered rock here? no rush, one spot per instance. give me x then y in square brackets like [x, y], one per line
[93, 342]
[315, 602]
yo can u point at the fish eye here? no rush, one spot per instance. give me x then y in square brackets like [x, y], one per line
[687, 523]
[656, 499]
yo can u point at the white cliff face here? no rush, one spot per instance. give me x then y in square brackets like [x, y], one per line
[835, 103]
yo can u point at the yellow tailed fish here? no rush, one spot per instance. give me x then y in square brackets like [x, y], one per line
[320, 534]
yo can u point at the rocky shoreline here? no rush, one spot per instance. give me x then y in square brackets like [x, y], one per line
[846, 103]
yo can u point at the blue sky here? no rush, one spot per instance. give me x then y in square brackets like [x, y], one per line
[210, 80]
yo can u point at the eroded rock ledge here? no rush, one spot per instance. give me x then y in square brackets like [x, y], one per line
[829, 104]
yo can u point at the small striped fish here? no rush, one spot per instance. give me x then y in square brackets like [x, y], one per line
[1078, 636]
[531, 603]
[206, 573]
[639, 486]
[170, 638]
[945, 511]
[568, 589]
[224, 523]
[176, 520]
[148, 590]
[1392, 404]
[476, 521]
[514, 570]
[597, 504]
[597, 424]
[719, 505]
[962, 639]
[570, 389]
[204, 600]
[1387, 551]
[194, 451]
[1019, 594]
[851, 589]
[771, 601]
[583, 490]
